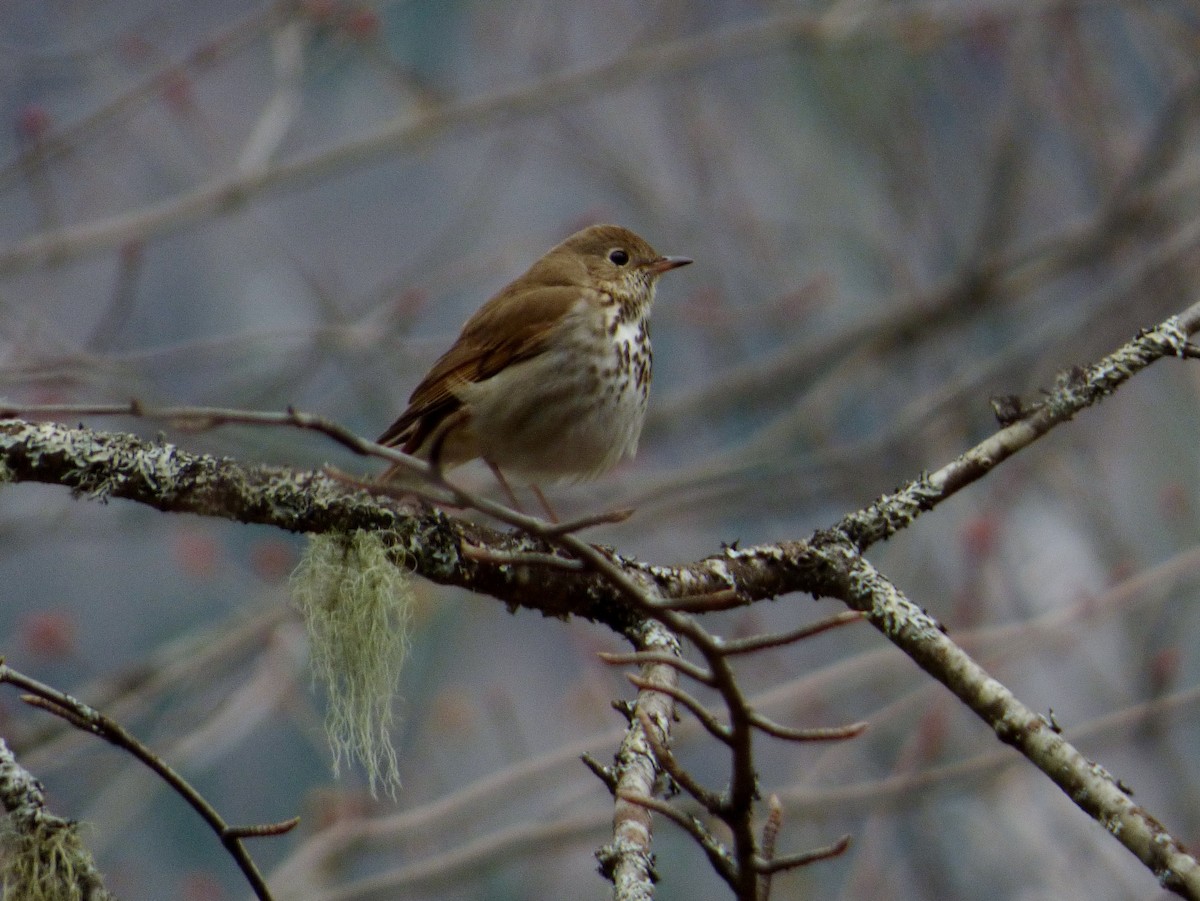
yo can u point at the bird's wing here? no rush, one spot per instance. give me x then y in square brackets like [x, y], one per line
[512, 326]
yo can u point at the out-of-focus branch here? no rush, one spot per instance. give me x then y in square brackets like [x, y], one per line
[472, 857]
[1135, 206]
[212, 50]
[1075, 390]
[545, 94]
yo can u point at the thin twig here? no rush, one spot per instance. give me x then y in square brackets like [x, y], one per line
[831, 733]
[724, 599]
[262, 830]
[600, 771]
[718, 856]
[791, 861]
[706, 717]
[526, 558]
[706, 798]
[198, 418]
[586, 522]
[779, 639]
[689, 669]
[87, 719]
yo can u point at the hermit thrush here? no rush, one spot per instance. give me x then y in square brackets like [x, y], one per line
[549, 379]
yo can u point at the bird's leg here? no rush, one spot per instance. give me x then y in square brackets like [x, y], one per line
[537, 492]
[512, 495]
[509, 493]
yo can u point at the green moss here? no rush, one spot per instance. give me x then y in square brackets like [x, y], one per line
[47, 863]
[357, 605]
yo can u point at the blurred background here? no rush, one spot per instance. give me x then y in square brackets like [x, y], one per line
[897, 210]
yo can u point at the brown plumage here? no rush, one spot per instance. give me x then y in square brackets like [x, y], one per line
[550, 377]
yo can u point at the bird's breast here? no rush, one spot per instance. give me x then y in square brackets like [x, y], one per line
[573, 411]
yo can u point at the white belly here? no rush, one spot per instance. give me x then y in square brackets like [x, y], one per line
[568, 413]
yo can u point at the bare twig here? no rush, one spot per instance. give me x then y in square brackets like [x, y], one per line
[703, 715]
[87, 719]
[530, 558]
[779, 639]
[600, 771]
[792, 861]
[709, 800]
[716, 853]
[610, 517]
[205, 418]
[262, 830]
[832, 733]
[689, 669]
[725, 599]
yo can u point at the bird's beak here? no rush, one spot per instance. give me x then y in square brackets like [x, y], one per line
[666, 264]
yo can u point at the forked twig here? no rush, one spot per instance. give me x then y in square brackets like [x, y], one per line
[713, 849]
[90, 720]
[706, 717]
[709, 800]
[792, 861]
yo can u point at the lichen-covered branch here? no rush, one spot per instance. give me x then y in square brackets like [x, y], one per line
[59, 857]
[100, 465]
[627, 860]
[41, 856]
[523, 569]
[1074, 391]
[1086, 783]
[104, 465]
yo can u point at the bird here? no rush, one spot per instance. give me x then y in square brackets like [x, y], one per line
[549, 380]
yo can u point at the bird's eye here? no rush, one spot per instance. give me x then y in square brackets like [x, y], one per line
[618, 256]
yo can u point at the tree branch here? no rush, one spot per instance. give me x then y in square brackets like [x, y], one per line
[87, 719]
[41, 852]
[635, 598]
[627, 860]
